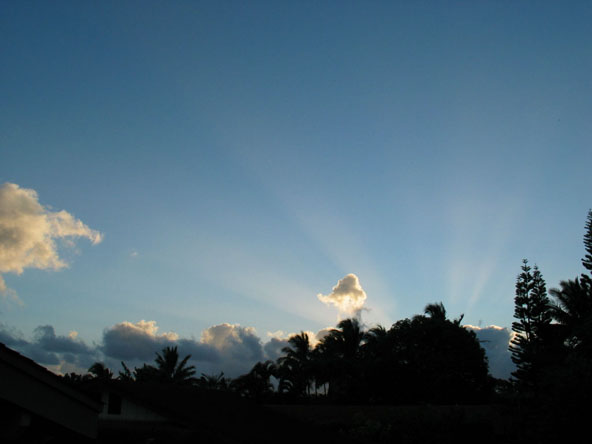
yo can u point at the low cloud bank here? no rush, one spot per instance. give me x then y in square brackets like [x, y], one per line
[226, 347]
[61, 354]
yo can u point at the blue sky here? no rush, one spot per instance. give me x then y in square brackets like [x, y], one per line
[239, 158]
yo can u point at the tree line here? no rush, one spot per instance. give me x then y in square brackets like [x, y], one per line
[428, 358]
[552, 346]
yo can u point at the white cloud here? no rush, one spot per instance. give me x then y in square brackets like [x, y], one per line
[495, 340]
[28, 232]
[348, 296]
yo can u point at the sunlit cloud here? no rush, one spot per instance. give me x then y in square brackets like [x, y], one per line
[140, 340]
[28, 233]
[347, 296]
[278, 340]
[313, 338]
[228, 347]
[324, 223]
[343, 245]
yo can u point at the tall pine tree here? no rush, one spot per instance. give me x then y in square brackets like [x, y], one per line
[587, 259]
[532, 313]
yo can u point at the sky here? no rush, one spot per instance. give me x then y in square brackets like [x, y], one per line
[218, 175]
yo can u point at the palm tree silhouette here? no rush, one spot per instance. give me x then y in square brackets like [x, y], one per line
[256, 384]
[437, 312]
[346, 339]
[169, 369]
[214, 382]
[572, 309]
[294, 368]
[339, 354]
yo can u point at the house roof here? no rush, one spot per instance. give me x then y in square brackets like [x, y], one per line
[35, 389]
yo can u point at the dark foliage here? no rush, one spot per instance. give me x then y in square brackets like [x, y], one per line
[428, 358]
[256, 384]
[100, 371]
[294, 369]
[533, 317]
[168, 370]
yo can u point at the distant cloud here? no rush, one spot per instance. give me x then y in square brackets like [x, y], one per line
[28, 233]
[11, 337]
[239, 347]
[228, 347]
[130, 341]
[59, 353]
[273, 348]
[495, 340]
[46, 339]
[348, 296]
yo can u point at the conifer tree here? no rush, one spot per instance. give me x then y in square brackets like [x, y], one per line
[532, 313]
[587, 259]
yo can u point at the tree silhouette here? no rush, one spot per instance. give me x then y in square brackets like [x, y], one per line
[436, 311]
[256, 384]
[125, 375]
[294, 368]
[433, 359]
[168, 369]
[572, 309]
[533, 316]
[339, 353]
[100, 371]
[75, 379]
[346, 339]
[587, 259]
[213, 382]
[572, 305]
[379, 362]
